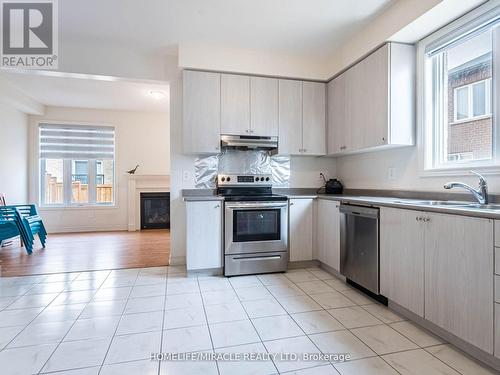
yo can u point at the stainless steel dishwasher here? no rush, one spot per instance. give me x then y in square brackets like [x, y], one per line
[359, 245]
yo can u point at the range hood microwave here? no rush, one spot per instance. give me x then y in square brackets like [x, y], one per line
[250, 142]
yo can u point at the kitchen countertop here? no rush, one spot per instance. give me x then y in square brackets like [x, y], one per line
[194, 195]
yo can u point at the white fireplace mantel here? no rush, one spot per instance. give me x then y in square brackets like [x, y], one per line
[142, 183]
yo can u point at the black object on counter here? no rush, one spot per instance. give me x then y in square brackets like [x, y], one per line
[334, 186]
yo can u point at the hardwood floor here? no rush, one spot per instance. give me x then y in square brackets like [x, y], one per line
[88, 252]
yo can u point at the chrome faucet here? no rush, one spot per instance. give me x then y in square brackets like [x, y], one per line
[481, 193]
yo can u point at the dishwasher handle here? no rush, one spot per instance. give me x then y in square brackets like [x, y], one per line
[369, 212]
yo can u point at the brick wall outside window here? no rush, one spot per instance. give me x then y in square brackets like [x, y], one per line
[472, 136]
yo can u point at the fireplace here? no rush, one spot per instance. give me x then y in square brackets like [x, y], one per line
[155, 210]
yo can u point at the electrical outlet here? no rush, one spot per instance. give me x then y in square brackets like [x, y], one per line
[186, 176]
[392, 173]
[322, 178]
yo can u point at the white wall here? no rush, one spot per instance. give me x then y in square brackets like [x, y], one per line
[141, 138]
[251, 62]
[13, 155]
[395, 18]
[305, 170]
[371, 171]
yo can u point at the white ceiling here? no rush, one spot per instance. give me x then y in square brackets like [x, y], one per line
[295, 27]
[79, 91]
[312, 28]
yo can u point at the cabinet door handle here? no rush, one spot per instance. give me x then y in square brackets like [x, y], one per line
[304, 150]
[251, 131]
[291, 203]
[217, 206]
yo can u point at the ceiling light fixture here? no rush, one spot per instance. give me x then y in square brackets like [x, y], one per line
[157, 94]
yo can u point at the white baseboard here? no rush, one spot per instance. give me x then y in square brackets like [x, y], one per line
[178, 261]
[79, 229]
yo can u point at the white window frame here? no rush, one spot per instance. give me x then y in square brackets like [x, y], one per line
[67, 177]
[427, 135]
[470, 105]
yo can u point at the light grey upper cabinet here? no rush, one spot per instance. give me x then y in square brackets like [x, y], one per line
[338, 135]
[235, 104]
[290, 117]
[302, 118]
[374, 120]
[313, 118]
[263, 106]
[354, 116]
[373, 102]
[216, 104]
[201, 112]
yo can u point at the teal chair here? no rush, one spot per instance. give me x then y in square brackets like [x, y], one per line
[28, 223]
[8, 228]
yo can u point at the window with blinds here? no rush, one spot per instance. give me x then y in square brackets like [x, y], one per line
[76, 164]
[76, 142]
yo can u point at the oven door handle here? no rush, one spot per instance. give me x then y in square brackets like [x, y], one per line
[247, 259]
[258, 205]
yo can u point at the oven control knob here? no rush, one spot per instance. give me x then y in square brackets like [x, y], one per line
[267, 178]
[228, 179]
[256, 179]
[223, 179]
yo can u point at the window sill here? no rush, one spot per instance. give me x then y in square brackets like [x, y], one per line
[76, 208]
[460, 171]
[471, 119]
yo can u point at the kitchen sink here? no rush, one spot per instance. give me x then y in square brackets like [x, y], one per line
[453, 204]
[441, 203]
[481, 206]
[434, 203]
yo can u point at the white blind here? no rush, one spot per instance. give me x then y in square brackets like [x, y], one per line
[60, 141]
[469, 30]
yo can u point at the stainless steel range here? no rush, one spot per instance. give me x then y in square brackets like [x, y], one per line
[255, 225]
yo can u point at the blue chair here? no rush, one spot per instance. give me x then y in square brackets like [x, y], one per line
[31, 224]
[8, 228]
[28, 222]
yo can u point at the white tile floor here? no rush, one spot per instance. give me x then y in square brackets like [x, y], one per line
[109, 322]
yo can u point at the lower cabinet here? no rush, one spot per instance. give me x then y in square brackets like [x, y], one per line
[203, 235]
[328, 233]
[402, 258]
[440, 267]
[459, 277]
[301, 229]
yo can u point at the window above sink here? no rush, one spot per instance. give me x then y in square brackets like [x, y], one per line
[459, 68]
